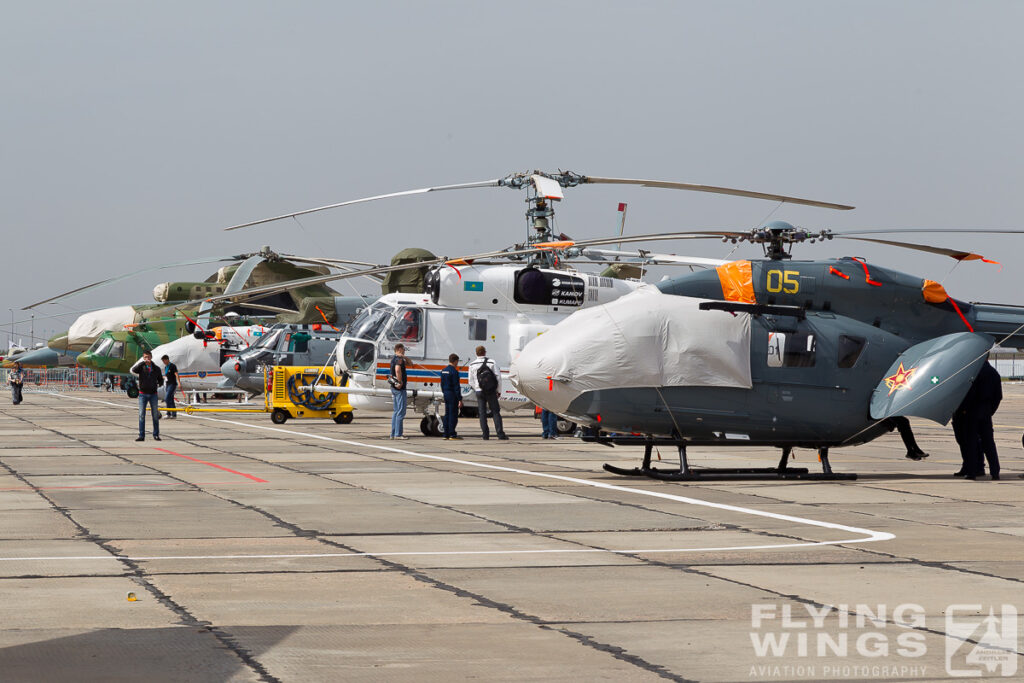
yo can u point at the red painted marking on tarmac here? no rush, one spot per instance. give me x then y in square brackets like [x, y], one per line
[219, 467]
[118, 486]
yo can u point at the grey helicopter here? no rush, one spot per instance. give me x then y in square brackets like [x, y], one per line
[777, 352]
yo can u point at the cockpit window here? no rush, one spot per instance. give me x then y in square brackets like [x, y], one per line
[370, 322]
[358, 355]
[406, 326]
[117, 350]
[100, 346]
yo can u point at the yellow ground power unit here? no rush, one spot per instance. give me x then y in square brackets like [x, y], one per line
[285, 396]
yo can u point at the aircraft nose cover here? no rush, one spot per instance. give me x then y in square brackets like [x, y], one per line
[930, 379]
[644, 339]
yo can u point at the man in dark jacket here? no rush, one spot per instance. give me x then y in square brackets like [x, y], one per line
[451, 388]
[972, 424]
[150, 380]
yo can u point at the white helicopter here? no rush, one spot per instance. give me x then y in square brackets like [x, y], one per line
[199, 356]
[476, 300]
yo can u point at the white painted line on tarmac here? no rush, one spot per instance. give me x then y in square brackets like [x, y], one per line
[866, 535]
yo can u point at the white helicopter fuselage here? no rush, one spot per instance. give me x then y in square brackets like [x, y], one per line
[199, 360]
[500, 307]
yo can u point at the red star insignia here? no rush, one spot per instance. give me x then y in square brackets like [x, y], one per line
[900, 380]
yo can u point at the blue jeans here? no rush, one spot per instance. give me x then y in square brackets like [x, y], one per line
[398, 397]
[169, 396]
[549, 423]
[451, 414]
[153, 401]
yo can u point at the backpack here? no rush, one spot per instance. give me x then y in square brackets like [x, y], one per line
[486, 379]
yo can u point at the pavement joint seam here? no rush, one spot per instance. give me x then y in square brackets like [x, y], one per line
[138, 574]
[483, 601]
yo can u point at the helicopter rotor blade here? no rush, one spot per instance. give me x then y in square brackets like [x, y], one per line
[716, 190]
[422, 190]
[125, 276]
[238, 280]
[957, 254]
[643, 256]
[463, 260]
[325, 261]
[963, 231]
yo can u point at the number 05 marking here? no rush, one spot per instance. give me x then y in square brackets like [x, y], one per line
[787, 281]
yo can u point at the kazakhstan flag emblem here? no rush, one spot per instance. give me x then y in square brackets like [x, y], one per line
[473, 286]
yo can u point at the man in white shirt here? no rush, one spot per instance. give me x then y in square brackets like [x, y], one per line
[485, 380]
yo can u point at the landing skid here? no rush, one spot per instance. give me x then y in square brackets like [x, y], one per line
[686, 473]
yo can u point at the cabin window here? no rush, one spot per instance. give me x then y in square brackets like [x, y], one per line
[849, 350]
[791, 350]
[407, 327]
[478, 329]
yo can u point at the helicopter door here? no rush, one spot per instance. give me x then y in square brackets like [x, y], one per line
[406, 328]
[789, 361]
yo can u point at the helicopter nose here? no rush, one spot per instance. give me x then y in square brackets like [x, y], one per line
[84, 359]
[644, 339]
[229, 371]
[542, 371]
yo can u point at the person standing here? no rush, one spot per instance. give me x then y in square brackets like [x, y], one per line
[16, 378]
[989, 394]
[972, 424]
[485, 379]
[171, 382]
[549, 424]
[150, 381]
[397, 379]
[914, 451]
[451, 389]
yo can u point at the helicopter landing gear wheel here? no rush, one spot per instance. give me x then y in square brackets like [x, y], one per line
[343, 418]
[132, 390]
[279, 416]
[430, 425]
[565, 426]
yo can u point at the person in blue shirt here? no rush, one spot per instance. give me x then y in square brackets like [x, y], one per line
[451, 387]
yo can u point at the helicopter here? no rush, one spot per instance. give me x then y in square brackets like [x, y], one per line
[246, 369]
[770, 352]
[499, 299]
[118, 344]
[252, 269]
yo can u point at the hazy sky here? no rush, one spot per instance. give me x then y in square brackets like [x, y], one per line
[133, 132]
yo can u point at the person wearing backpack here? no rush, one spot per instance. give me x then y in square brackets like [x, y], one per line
[485, 379]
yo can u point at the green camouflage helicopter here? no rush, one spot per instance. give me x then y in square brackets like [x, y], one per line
[258, 269]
